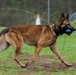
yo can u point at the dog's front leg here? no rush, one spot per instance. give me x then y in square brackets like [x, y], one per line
[36, 53]
[56, 52]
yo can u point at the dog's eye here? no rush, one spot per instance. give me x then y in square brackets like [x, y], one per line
[68, 24]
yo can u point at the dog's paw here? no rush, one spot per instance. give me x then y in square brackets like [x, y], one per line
[68, 65]
[25, 65]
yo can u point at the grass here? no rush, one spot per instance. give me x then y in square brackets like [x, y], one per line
[9, 67]
[74, 23]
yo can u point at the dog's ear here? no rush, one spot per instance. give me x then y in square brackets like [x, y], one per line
[67, 17]
[62, 16]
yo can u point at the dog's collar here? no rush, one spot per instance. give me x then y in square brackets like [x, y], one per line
[55, 29]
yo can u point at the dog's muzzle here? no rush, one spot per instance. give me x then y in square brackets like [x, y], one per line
[69, 31]
[73, 29]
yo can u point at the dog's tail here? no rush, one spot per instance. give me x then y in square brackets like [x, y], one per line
[4, 31]
[3, 43]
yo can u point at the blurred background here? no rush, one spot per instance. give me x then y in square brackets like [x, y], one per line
[14, 12]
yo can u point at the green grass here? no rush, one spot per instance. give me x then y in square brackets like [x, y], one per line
[74, 23]
[9, 67]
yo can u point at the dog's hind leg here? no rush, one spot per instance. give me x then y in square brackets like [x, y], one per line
[56, 52]
[16, 41]
[16, 58]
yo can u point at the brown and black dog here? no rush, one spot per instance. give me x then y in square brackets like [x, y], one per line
[39, 36]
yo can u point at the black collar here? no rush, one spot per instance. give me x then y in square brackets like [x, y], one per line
[55, 29]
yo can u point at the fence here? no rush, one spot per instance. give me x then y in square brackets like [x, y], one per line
[13, 12]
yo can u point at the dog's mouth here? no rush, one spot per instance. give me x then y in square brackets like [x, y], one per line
[69, 31]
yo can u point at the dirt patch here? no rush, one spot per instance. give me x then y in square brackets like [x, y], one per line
[48, 64]
[45, 64]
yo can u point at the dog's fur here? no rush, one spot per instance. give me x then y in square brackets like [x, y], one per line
[39, 36]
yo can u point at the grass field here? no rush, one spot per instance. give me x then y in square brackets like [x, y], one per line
[46, 64]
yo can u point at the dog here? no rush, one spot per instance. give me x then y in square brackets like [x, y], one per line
[40, 36]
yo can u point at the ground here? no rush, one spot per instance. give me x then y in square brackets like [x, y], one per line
[44, 65]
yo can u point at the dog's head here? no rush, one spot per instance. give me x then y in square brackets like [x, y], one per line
[64, 25]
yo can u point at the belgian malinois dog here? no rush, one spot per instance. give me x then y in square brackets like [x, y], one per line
[40, 36]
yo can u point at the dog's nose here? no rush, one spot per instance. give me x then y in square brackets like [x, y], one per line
[74, 29]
